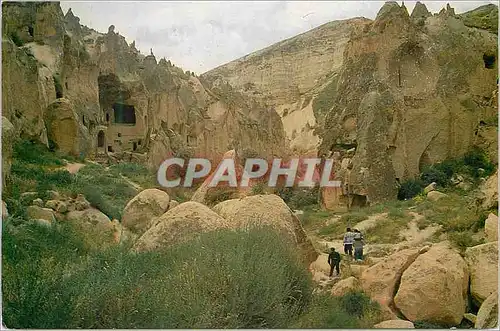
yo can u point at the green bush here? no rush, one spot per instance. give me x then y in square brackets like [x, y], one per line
[298, 197]
[258, 188]
[35, 153]
[16, 39]
[224, 279]
[410, 189]
[355, 303]
[477, 159]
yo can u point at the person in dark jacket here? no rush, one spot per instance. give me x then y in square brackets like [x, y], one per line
[334, 261]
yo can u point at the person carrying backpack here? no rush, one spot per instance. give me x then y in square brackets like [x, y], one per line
[334, 261]
[348, 241]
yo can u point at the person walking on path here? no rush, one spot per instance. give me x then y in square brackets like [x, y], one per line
[348, 241]
[334, 261]
[358, 245]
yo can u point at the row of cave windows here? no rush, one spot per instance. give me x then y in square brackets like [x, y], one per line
[100, 142]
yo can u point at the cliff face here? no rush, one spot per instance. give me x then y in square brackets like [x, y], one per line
[115, 99]
[404, 92]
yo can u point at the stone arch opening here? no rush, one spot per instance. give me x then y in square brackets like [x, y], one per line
[100, 139]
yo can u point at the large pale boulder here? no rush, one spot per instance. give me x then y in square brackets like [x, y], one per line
[491, 227]
[435, 196]
[141, 212]
[345, 286]
[483, 266]
[268, 210]
[89, 216]
[394, 324]
[487, 316]
[96, 228]
[434, 287]
[321, 264]
[488, 192]
[180, 224]
[379, 281]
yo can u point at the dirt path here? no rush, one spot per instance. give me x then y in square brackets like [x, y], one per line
[74, 167]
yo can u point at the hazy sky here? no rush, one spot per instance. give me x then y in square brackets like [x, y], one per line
[199, 36]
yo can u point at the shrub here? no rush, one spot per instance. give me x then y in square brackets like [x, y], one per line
[303, 197]
[16, 39]
[258, 188]
[463, 239]
[410, 188]
[223, 279]
[219, 194]
[35, 153]
[477, 159]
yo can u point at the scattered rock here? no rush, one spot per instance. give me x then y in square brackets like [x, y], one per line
[424, 249]
[38, 213]
[142, 211]
[81, 203]
[269, 210]
[394, 324]
[379, 281]
[435, 195]
[173, 204]
[59, 206]
[434, 287]
[487, 316]
[27, 197]
[431, 187]
[483, 266]
[345, 286]
[37, 202]
[53, 195]
[180, 224]
[491, 227]
[90, 216]
[5, 212]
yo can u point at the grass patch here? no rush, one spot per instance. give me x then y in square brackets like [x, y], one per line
[224, 279]
[354, 310]
[137, 173]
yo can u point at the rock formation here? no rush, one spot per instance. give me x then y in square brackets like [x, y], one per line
[116, 99]
[402, 91]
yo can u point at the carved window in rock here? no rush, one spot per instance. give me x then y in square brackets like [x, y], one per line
[124, 114]
[100, 139]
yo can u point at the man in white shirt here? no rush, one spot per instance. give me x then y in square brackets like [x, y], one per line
[348, 241]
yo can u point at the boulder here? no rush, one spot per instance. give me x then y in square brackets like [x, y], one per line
[140, 212]
[487, 316]
[28, 197]
[53, 195]
[180, 224]
[345, 286]
[38, 213]
[483, 266]
[37, 202]
[470, 317]
[491, 227]
[5, 212]
[435, 195]
[431, 187]
[321, 264]
[488, 193]
[81, 203]
[268, 210]
[89, 216]
[357, 270]
[394, 324]
[434, 287]
[379, 281]
[59, 206]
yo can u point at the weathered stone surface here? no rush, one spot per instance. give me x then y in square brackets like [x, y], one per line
[81, 203]
[38, 213]
[345, 286]
[141, 212]
[483, 266]
[435, 195]
[64, 128]
[470, 317]
[434, 287]
[27, 197]
[89, 216]
[379, 281]
[269, 210]
[488, 192]
[394, 324]
[491, 227]
[38, 202]
[182, 223]
[484, 17]
[487, 316]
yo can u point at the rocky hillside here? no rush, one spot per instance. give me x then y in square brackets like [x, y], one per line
[388, 96]
[93, 95]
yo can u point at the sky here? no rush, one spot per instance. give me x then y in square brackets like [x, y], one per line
[201, 35]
